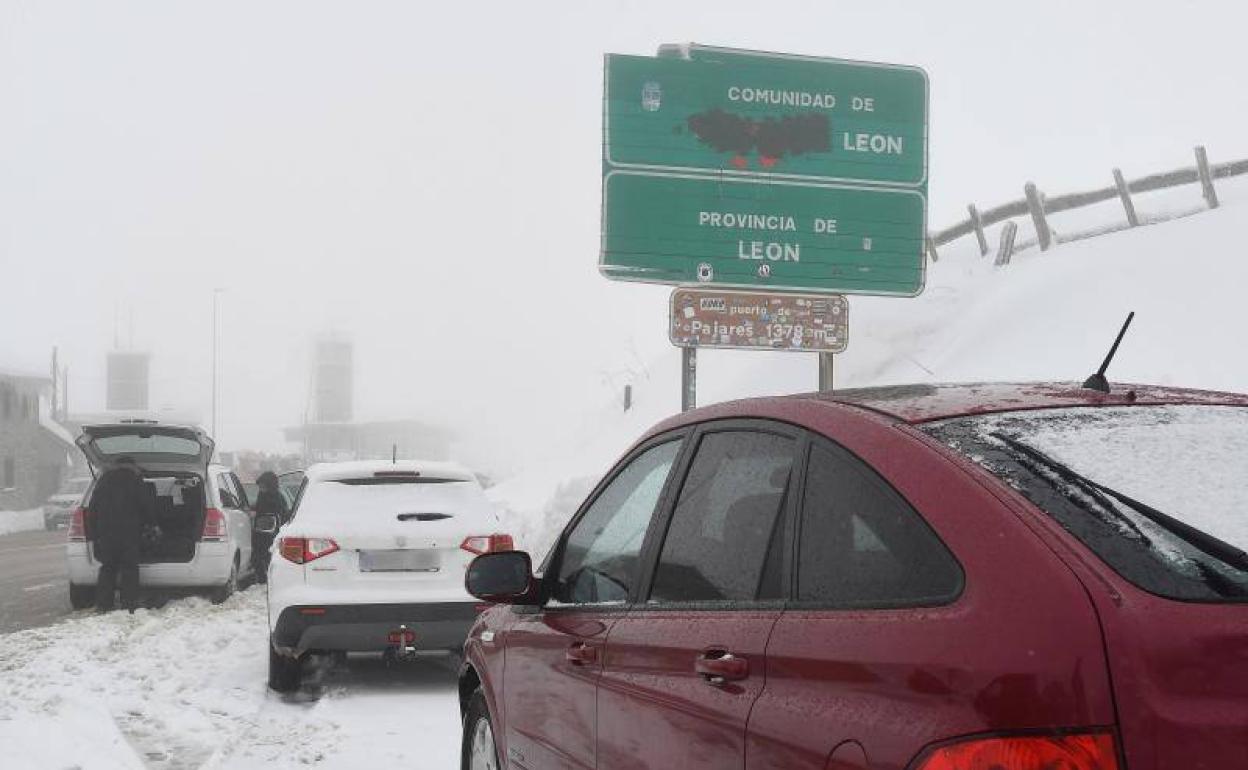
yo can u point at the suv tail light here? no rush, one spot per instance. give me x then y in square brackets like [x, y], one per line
[480, 544]
[1088, 751]
[78, 525]
[214, 525]
[302, 550]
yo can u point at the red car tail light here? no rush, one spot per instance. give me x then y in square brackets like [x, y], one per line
[480, 544]
[302, 550]
[78, 526]
[1088, 751]
[214, 525]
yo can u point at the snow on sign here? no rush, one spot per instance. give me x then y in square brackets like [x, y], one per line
[710, 318]
[754, 170]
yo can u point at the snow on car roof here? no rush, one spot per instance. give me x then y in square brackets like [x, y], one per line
[359, 469]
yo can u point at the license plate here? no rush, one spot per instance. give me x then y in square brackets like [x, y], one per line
[399, 561]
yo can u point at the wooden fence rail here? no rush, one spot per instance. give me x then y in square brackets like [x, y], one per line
[1038, 206]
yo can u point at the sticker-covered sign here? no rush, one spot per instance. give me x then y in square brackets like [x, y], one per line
[751, 320]
[779, 115]
[764, 171]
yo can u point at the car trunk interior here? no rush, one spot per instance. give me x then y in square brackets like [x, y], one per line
[179, 506]
[180, 514]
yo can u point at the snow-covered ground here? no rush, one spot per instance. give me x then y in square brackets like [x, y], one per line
[184, 686]
[20, 521]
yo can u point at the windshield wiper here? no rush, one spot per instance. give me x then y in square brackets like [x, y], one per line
[1196, 538]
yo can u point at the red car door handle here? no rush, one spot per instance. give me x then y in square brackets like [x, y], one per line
[580, 654]
[718, 668]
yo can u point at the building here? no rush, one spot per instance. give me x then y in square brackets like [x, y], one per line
[333, 380]
[35, 450]
[128, 383]
[406, 439]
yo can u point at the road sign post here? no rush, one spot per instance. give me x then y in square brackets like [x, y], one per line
[826, 364]
[688, 378]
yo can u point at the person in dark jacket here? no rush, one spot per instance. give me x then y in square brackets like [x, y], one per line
[120, 507]
[269, 501]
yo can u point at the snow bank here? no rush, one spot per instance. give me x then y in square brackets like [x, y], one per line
[1048, 316]
[20, 521]
[184, 687]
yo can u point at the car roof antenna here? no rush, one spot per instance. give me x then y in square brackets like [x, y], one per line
[1098, 381]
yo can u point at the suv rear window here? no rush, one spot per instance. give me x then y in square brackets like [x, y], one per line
[151, 444]
[1157, 492]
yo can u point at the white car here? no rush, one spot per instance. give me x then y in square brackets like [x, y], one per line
[373, 560]
[205, 541]
[59, 508]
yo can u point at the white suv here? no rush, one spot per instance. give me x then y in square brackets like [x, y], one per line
[205, 540]
[373, 560]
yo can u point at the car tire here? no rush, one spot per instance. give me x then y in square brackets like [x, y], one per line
[81, 597]
[285, 673]
[479, 751]
[225, 591]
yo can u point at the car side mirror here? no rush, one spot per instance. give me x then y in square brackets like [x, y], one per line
[505, 577]
[266, 523]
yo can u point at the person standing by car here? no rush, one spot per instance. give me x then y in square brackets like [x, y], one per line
[120, 507]
[269, 502]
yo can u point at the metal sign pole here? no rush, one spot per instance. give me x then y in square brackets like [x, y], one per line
[826, 361]
[688, 379]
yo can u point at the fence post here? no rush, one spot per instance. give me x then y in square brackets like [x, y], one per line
[931, 249]
[978, 224]
[1006, 249]
[1124, 193]
[1206, 178]
[1035, 204]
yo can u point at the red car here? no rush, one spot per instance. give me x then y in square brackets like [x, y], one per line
[984, 577]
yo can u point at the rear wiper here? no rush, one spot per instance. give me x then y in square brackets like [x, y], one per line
[423, 516]
[1196, 538]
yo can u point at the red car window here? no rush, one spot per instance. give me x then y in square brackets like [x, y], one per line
[726, 521]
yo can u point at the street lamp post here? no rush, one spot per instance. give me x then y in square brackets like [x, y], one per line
[216, 295]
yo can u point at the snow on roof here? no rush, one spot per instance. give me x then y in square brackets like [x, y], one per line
[17, 374]
[365, 468]
[52, 426]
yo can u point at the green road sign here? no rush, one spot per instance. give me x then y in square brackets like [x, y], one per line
[764, 171]
[750, 233]
[783, 116]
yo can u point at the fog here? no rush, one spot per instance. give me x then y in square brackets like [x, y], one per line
[425, 179]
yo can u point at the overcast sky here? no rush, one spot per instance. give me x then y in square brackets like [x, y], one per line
[425, 177]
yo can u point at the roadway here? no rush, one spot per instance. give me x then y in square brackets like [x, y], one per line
[34, 585]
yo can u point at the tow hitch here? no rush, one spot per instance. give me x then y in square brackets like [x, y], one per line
[402, 642]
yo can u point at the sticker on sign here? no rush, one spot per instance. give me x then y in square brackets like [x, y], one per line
[752, 320]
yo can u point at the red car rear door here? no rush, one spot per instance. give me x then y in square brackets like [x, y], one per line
[684, 667]
[890, 643]
[554, 652]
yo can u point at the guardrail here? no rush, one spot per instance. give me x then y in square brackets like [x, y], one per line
[1039, 207]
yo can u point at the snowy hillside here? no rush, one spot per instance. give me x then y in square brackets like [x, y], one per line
[1047, 316]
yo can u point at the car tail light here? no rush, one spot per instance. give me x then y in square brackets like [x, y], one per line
[302, 550]
[407, 636]
[480, 544]
[214, 525]
[1088, 751]
[78, 525]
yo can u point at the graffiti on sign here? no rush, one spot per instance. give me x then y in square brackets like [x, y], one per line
[753, 320]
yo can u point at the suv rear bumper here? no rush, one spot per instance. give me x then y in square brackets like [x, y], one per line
[365, 627]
